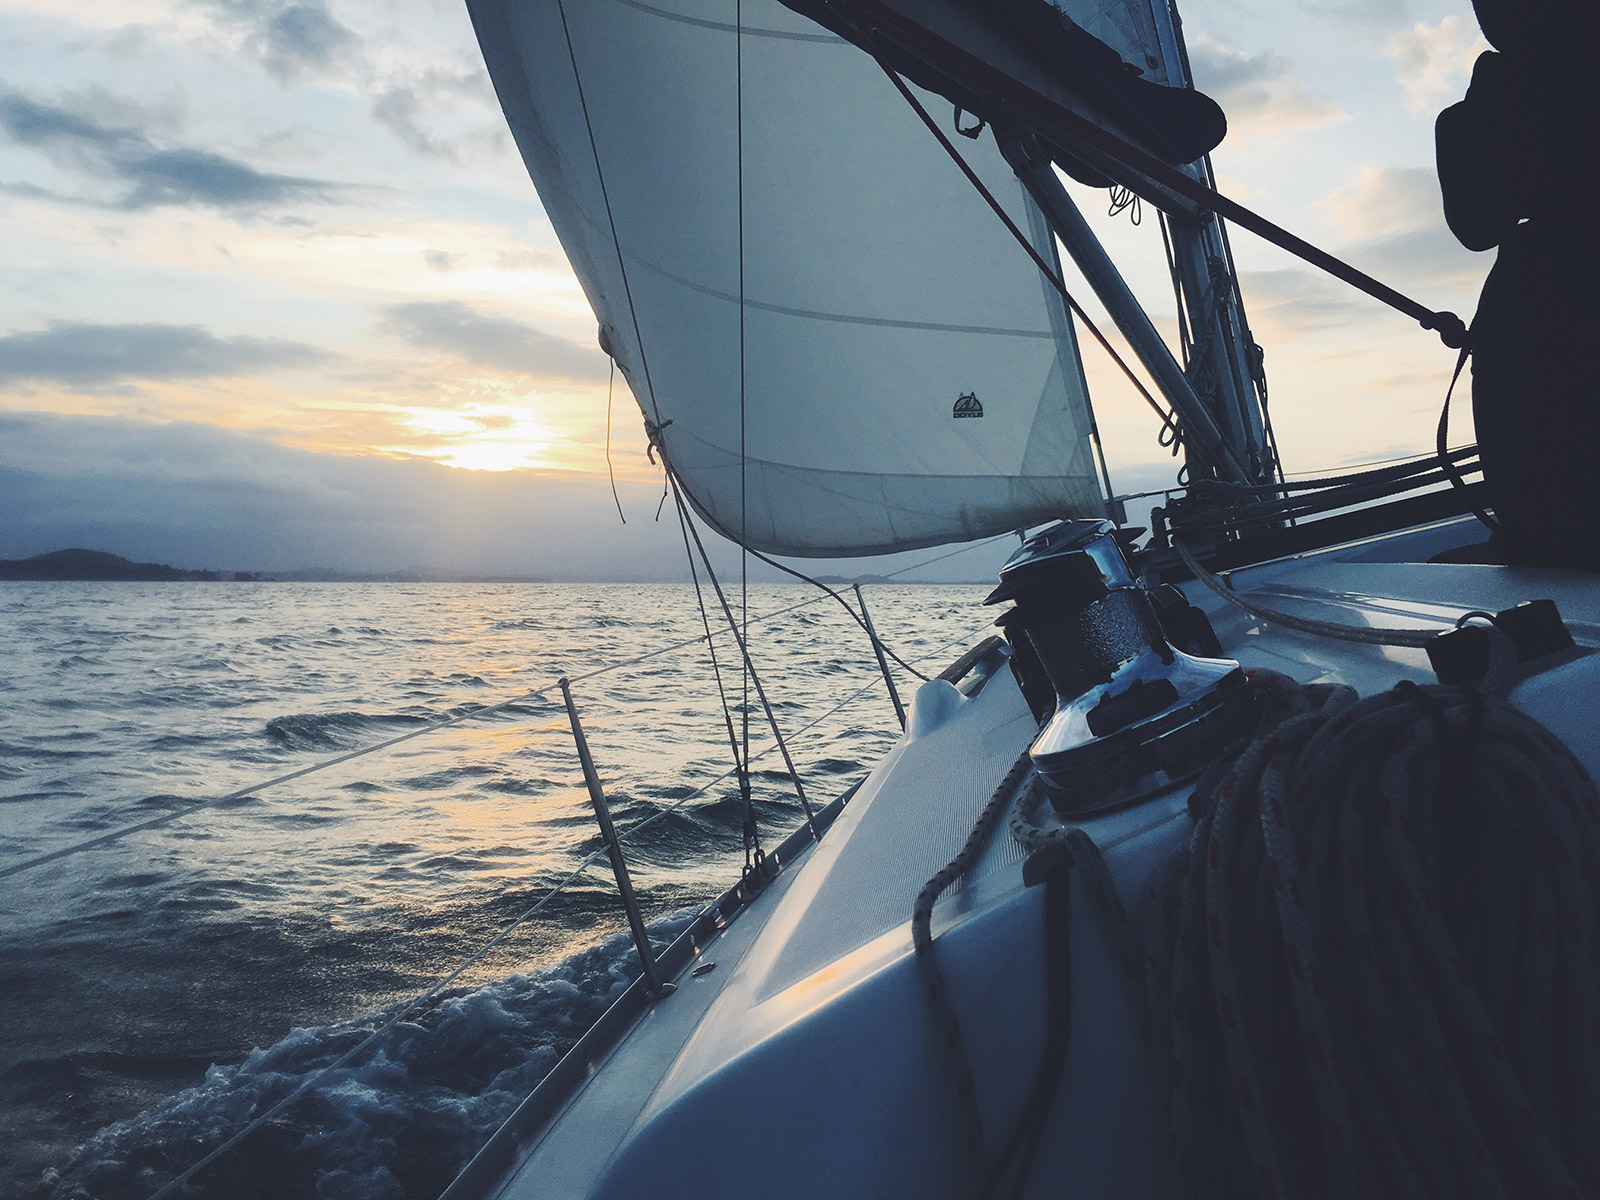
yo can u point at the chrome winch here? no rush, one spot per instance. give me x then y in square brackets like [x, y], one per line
[1123, 711]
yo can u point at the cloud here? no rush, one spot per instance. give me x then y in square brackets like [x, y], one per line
[196, 495]
[292, 40]
[1435, 61]
[530, 260]
[442, 262]
[1394, 220]
[200, 496]
[85, 355]
[1424, 259]
[1259, 92]
[399, 111]
[1425, 263]
[1374, 14]
[1386, 200]
[147, 175]
[305, 39]
[1295, 301]
[457, 329]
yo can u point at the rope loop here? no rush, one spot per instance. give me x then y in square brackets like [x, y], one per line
[969, 131]
[1374, 968]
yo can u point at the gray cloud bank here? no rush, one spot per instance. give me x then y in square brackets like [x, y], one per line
[198, 496]
[89, 355]
[454, 328]
[146, 175]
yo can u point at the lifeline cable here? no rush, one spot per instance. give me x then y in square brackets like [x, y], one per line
[117, 835]
[527, 914]
[740, 756]
[1333, 629]
[744, 648]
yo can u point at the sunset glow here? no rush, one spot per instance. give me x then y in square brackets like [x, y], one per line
[330, 244]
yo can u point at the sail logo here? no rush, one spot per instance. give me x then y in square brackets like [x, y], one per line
[967, 406]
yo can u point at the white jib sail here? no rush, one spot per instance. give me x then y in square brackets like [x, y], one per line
[885, 306]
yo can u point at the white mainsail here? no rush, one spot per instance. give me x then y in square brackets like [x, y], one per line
[884, 304]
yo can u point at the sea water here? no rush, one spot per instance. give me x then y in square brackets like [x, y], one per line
[161, 990]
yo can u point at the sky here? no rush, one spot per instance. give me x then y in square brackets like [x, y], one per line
[276, 292]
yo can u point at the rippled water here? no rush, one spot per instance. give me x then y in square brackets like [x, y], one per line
[162, 988]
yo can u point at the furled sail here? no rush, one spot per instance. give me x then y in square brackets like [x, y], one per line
[903, 376]
[1129, 28]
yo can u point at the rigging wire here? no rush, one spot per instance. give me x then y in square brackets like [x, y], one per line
[118, 834]
[611, 384]
[744, 648]
[752, 835]
[1168, 420]
[751, 838]
[349, 1056]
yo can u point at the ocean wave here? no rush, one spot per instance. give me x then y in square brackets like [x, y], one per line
[396, 1123]
[330, 731]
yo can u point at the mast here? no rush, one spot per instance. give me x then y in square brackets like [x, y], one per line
[1224, 363]
[1064, 99]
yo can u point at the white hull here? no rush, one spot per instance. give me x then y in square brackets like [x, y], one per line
[806, 1062]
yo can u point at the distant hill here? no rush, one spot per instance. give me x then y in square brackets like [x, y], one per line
[93, 564]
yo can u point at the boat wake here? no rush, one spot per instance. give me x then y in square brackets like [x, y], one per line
[398, 1122]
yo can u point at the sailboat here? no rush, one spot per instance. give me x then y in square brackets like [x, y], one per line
[839, 306]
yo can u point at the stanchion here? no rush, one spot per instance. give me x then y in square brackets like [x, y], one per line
[883, 663]
[602, 813]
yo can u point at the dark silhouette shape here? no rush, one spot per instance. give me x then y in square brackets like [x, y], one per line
[60, 565]
[1515, 172]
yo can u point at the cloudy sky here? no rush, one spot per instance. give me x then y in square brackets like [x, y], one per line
[275, 290]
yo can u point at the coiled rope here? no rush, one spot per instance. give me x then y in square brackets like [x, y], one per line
[1375, 968]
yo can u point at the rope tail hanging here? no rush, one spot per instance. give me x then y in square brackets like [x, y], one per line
[1375, 970]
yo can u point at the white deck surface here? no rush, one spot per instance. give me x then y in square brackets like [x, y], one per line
[804, 1064]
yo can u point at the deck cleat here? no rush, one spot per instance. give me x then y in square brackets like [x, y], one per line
[1130, 713]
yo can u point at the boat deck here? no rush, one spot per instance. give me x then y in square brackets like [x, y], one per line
[805, 1061]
